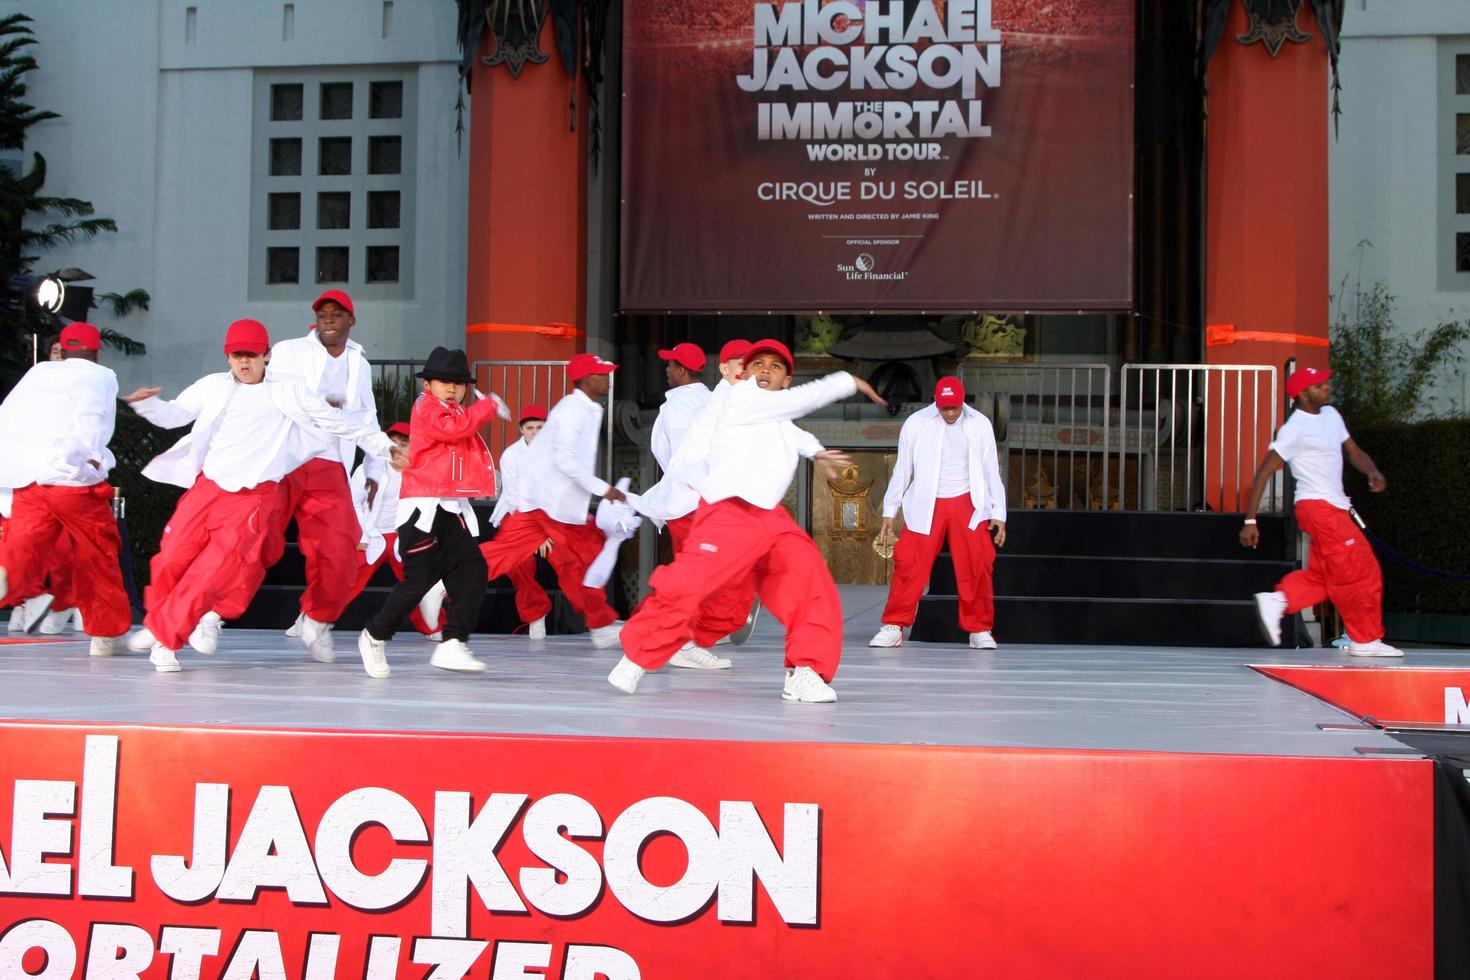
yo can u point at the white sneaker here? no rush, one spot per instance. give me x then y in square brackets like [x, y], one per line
[142, 641]
[537, 629]
[4, 581]
[888, 635]
[1270, 607]
[1342, 642]
[625, 676]
[103, 646]
[76, 620]
[606, 636]
[374, 655]
[294, 630]
[698, 658]
[56, 620]
[455, 655]
[432, 604]
[318, 639]
[205, 637]
[1377, 648]
[164, 660]
[805, 684]
[32, 611]
[435, 637]
[983, 641]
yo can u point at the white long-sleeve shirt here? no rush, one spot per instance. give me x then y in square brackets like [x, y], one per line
[914, 485]
[559, 465]
[754, 448]
[266, 425]
[56, 422]
[675, 415]
[377, 518]
[347, 377]
[512, 458]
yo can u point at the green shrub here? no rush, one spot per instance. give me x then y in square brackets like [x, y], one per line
[1422, 515]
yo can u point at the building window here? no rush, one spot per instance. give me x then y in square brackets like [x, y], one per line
[1453, 152]
[334, 186]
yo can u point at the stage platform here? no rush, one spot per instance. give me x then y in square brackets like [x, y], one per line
[1037, 811]
[1157, 699]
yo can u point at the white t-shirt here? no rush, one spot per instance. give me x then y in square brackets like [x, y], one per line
[954, 463]
[236, 443]
[1312, 446]
[333, 387]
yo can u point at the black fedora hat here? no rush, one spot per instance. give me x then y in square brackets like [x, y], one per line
[446, 365]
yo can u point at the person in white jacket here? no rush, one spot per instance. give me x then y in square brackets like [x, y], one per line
[245, 439]
[947, 482]
[558, 481]
[55, 426]
[533, 605]
[742, 531]
[331, 365]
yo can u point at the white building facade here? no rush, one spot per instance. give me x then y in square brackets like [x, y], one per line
[1400, 170]
[254, 154]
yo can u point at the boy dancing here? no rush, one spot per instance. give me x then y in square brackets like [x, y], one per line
[947, 480]
[532, 603]
[55, 426]
[742, 531]
[552, 500]
[245, 440]
[436, 525]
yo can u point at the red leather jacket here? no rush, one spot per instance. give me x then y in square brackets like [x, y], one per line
[448, 457]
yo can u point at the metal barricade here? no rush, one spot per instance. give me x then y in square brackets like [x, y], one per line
[543, 383]
[1057, 434]
[1190, 435]
[395, 387]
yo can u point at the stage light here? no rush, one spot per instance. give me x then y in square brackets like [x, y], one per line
[51, 294]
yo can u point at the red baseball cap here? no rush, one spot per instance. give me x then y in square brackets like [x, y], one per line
[335, 296]
[80, 336]
[1303, 378]
[398, 429]
[532, 413]
[247, 337]
[949, 392]
[582, 365]
[772, 347]
[686, 354]
[734, 350]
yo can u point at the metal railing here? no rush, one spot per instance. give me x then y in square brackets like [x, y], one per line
[1057, 432]
[1190, 435]
[543, 383]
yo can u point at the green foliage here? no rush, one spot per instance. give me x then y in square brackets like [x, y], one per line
[32, 223]
[395, 395]
[1380, 373]
[1421, 514]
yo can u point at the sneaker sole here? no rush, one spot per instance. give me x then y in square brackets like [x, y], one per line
[475, 668]
[798, 700]
[1266, 630]
[1373, 653]
[739, 637]
[723, 664]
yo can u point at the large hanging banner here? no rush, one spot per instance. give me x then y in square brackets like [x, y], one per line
[165, 853]
[854, 156]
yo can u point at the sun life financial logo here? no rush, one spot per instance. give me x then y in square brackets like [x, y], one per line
[861, 268]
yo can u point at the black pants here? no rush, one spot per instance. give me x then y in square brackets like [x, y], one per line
[447, 553]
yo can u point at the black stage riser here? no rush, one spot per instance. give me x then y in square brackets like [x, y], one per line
[1121, 622]
[1162, 578]
[1140, 535]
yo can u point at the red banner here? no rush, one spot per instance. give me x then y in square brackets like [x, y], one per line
[812, 155]
[194, 853]
[1421, 695]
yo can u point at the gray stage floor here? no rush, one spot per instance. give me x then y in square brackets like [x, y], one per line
[1095, 697]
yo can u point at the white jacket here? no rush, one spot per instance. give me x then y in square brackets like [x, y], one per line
[58, 417]
[915, 480]
[306, 358]
[511, 460]
[558, 470]
[204, 401]
[754, 448]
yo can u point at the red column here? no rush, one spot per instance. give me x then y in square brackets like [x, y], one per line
[1266, 244]
[527, 249]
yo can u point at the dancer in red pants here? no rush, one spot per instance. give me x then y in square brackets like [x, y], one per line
[1340, 561]
[55, 426]
[947, 481]
[741, 531]
[558, 481]
[532, 603]
[246, 438]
